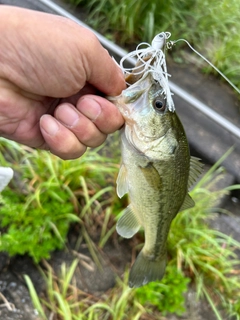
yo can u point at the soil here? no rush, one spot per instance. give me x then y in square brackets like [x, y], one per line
[15, 302]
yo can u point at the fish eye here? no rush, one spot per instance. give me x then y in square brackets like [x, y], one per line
[159, 105]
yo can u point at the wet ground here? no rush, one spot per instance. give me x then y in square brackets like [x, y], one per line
[15, 302]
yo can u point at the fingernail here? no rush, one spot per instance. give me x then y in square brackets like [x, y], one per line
[67, 115]
[90, 108]
[49, 125]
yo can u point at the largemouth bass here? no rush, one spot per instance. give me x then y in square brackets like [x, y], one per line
[156, 171]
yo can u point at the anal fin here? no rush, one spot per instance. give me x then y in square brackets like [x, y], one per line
[128, 224]
[187, 203]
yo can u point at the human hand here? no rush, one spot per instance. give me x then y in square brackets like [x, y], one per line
[51, 72]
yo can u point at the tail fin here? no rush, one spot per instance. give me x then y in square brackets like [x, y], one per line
[145, 271]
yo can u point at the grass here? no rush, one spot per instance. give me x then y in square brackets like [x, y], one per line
[50, 196]
[53, 193]
[67, 302]
[212, 27]
[205, 254]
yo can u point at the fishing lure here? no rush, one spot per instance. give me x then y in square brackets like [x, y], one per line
[151, 59]
[157, 52]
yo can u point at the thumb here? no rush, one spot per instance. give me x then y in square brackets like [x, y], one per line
[100, 69]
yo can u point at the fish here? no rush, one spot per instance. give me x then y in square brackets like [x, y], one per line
[156, 172]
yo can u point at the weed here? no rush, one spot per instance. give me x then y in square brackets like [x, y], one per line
[34, 229]
[49, 194]
[204, 254]
[58, 192]
[211, 26]
[65, 300]
[168, 295]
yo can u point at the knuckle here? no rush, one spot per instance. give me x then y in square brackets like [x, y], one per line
[69, 154]
[92, 139]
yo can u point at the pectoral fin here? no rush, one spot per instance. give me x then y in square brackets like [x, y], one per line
[128, 224]
[122, 186]
[187, 203]
[152, 176]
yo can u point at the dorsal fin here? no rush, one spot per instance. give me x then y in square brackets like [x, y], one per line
[196, 169]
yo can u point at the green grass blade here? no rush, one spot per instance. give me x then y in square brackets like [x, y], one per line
[64, 307]
[92, 199]
[212, 304]
[34, 297]
[68, 277]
